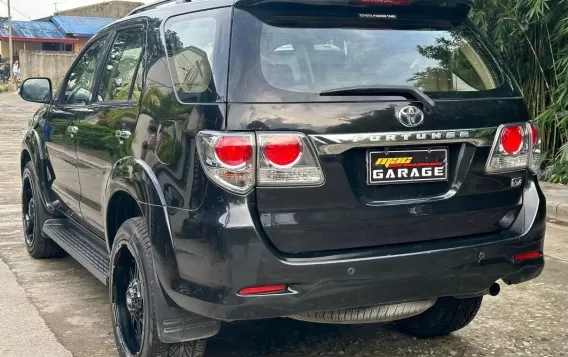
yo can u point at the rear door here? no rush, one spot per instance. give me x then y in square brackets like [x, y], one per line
[401, 104]
[107, 133]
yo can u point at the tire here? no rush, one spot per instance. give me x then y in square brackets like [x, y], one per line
[449, 314]
[34, 215]
[367, 315]
[132, 284]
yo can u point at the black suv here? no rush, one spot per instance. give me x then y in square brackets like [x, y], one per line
[333, 161]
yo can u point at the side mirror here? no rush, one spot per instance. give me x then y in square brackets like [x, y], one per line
[36, 90]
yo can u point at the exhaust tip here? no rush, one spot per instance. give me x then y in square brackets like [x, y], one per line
[495, 289]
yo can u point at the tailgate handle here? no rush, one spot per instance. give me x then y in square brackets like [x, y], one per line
[411, 91]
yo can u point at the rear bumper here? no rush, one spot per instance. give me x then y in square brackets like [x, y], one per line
[215, 264]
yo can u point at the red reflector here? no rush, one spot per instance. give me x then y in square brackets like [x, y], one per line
[282, 150]
[385, 2]
[527, 256]
[266, 289]
[233, 151]
[534, 135]
[512, 139]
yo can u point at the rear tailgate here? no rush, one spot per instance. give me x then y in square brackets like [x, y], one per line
[347, 78]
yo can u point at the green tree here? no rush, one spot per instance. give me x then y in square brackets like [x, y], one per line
[532, 38]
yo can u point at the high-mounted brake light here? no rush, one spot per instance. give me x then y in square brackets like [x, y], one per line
[385, 2]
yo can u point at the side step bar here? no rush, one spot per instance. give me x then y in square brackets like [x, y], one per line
[174, 324]
[87, 249]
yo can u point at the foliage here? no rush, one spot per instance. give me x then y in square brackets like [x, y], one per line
[532, 38]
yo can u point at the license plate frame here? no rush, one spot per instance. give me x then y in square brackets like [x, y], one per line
[394, 162]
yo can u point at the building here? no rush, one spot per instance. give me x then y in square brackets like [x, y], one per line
[80, 27]
[34, 36]
[109, 9]
[67, 30]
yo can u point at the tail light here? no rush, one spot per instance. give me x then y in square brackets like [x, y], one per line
[284, 159]
[228, 159]
[536, 156]
[516, 147]
[287, 159]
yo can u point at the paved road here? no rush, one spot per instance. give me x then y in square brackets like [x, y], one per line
[55, 308]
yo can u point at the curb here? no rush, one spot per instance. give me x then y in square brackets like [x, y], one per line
[557, 212]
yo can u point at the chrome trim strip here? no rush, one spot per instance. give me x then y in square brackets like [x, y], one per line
[333, 144]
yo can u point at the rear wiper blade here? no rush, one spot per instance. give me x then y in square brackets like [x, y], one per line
[405, 91]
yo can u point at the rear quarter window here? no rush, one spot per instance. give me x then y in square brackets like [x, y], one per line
[197, 50]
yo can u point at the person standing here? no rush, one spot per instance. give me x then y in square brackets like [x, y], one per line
[16, 70]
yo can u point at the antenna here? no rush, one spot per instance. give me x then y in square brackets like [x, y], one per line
[55, 6]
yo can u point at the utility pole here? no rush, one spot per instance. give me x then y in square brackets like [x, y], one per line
[10, 38]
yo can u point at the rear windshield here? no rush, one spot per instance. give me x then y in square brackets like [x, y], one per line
[301, 62]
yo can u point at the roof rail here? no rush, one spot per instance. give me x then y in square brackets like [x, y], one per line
[155, 4]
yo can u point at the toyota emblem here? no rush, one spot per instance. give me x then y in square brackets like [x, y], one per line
[410, 116]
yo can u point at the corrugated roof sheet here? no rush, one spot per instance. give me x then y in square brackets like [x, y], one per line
[4, 29]
[34, 29]
[79, 25]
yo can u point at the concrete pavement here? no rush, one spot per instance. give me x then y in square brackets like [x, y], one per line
[556, 202]
[23, 332]
[56, 308]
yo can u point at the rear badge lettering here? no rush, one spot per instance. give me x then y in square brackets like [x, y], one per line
[407, 166]
[411, 137]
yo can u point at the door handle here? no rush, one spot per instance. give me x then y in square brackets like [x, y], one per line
[122, 135]
[72, 130]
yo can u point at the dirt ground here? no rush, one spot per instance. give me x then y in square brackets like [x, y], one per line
[56, 308]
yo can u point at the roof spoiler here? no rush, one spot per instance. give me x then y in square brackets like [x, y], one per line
[461, 4]
[154, 5]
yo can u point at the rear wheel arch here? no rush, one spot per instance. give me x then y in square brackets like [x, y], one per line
[121, 207]
[25, 157]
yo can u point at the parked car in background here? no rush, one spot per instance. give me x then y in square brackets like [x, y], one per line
[331, 161]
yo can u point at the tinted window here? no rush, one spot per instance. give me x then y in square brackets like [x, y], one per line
[315, 60]
[78, 88]
[293, 58]
[197, 46]
[122, 65]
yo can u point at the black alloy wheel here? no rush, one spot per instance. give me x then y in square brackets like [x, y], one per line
[128, 301]
[28, 212]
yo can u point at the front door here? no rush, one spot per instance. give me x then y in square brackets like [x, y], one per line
[60, 130]
[106, 134]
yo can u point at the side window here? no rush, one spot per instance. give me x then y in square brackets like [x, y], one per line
[121, 66]
[197, 55]
[78, 88]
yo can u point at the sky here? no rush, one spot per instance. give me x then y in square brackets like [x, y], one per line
[33, 9]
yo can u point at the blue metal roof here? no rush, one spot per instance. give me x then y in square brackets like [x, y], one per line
[79, 25]
[4, 29]
[31, 29]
